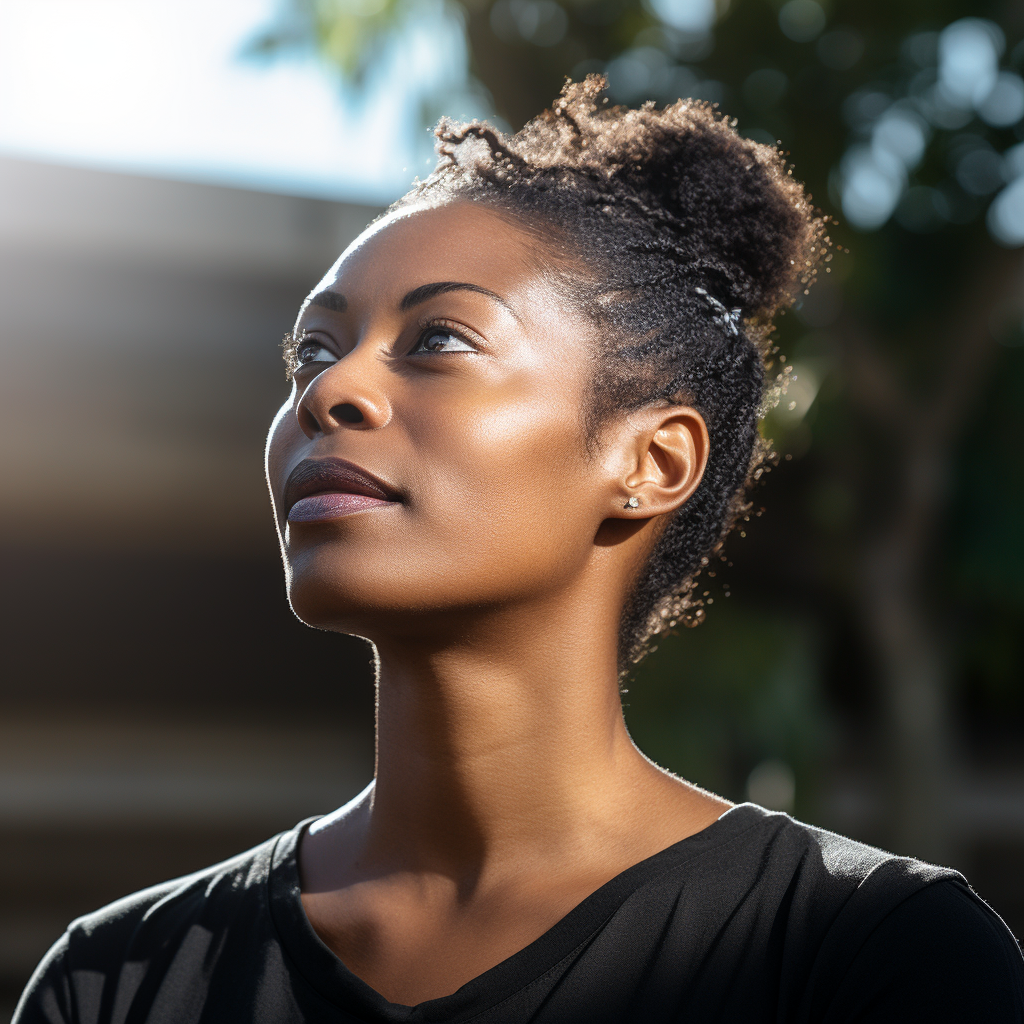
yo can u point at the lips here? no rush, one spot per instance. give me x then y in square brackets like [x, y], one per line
[321, 489]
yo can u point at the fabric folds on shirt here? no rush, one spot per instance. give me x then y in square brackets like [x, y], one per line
[757, 918]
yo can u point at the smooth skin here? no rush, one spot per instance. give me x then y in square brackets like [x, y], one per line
[507, 788]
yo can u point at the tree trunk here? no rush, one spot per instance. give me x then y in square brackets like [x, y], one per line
[915, 677]
[912, 651]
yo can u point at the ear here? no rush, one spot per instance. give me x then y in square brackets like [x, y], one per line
[665, 459]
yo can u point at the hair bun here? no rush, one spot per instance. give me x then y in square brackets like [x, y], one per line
[741, 224]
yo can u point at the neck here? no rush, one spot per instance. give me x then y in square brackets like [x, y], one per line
[484, 746]
[502, 744]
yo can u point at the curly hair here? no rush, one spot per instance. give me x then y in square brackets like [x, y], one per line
[682, 240]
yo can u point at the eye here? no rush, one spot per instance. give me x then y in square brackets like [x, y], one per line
[308, 350]
[441, 339]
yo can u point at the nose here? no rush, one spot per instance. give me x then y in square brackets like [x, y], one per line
[345, 395]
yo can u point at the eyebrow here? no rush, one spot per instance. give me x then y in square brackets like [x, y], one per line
[330, 300]
[428, 291]
[337, 303]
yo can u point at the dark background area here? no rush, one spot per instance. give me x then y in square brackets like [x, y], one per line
[160, 706]
[862, 660]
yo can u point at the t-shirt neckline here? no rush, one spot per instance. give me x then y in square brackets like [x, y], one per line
[333, 981]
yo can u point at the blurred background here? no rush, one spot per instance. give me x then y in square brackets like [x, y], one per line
[173, 179]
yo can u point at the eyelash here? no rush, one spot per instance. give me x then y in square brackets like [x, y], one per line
[426, 326]
[293, 339]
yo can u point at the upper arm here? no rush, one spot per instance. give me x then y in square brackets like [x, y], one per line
[940, 955]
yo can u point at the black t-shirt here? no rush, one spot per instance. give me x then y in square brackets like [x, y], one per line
[757, 918]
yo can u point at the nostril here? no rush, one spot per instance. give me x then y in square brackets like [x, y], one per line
[347, 412]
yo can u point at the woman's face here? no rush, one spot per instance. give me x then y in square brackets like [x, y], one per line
[432, 455]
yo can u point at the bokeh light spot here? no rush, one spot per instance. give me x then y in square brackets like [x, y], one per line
[873, 181]
[980, 171]
[1004, 105]
[1006, 215]
[802, 20]
[840, 49]
[969, 52]
[541, 22]
[689, 15]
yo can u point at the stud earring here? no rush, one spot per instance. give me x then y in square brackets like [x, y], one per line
[632, 503]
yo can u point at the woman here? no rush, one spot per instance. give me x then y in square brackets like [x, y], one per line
[524, 412]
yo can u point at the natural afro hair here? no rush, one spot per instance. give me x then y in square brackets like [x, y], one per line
[682, 241]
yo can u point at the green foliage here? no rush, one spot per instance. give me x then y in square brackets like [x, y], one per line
[349, 35]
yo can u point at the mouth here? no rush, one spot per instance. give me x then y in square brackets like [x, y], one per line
[318, 490]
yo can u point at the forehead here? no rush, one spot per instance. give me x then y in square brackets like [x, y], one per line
[455, 242]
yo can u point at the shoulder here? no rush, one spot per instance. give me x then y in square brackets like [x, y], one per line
[838, 889]
[794, 888]
[853, 925]
[182, 917]
[214, 891]
[942, 954]
[822, 870]
[887, 938]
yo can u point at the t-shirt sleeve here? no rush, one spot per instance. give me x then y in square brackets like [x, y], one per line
[942, 955]
[47, 997]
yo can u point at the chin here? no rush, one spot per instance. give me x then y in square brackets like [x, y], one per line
[330, 593]
[344, 593]
[320, 615]
[411, 588]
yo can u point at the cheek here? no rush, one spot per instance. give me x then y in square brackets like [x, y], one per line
[283, 441]
[511, 487]
[526, 451]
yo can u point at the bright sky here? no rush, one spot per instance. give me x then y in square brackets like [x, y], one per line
[158, 87]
